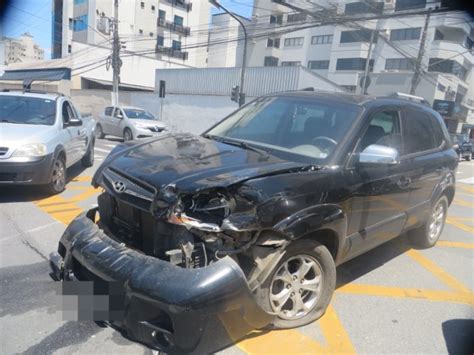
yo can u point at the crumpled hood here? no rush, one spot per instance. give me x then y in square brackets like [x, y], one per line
[193, 163]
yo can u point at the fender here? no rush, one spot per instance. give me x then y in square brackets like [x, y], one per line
[445, 184]
[59, 149]
[313, 219]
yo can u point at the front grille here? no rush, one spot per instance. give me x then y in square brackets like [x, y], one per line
[3, 151]
[8, 177]
[156, 129]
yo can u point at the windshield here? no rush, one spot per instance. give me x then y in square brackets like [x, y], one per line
[138, 114]
[27, 110]
[300, 127]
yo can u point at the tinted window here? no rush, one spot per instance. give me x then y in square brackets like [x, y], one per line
[421, 131]
[383, 129]
[27, 110]
[108, 111]
[68, 112]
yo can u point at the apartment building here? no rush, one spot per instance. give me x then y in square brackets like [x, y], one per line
[21, 50]
[175, 31]
[339, 52]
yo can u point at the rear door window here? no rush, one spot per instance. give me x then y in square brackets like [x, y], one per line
[108, 111]
[421, 131]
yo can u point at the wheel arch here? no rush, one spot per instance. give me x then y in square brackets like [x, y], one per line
[60, 151]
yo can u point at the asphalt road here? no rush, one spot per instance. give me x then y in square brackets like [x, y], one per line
[393, 299]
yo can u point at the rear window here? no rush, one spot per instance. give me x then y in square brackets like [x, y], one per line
[27, 110]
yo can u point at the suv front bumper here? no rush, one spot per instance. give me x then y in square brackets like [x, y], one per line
[165, 306]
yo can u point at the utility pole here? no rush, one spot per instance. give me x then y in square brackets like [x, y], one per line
[416, 76]
[217, 5]
[363, 89]
[116, 61]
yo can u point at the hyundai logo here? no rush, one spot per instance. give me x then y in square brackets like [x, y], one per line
[119, 186]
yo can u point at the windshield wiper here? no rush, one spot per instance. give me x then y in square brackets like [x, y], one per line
[240, 144]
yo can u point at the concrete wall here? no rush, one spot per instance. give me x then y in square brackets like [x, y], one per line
[182, 113]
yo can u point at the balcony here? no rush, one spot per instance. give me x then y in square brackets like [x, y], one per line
[180, 4]
[173, 27]
[170, 52]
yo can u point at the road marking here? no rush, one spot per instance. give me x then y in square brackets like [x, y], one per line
[445, 243]
[110, 145]
[442, 275]
[335, 333]
[466, 188]
[102, 150]
[84, 178]
[399, 292]
[469, 181]
[456, 223]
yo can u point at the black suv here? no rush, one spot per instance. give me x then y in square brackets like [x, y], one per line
[254, 215]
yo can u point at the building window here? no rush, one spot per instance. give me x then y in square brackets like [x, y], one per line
[161, 14]
[294, 41]
[353, 64]
[69, 48]
[350, 88]
[323, 39]
[273, 42]
[276, 19]
[71, 23]
[160, 41]
[151, 34]
[178, 20]
[447, 66]
[291, 63]
[360, 7]
[402, 5]
[318, 64]
[399, 64]
[79, 2]
[176, 45]
[356, 36]
[270, 61]
[142, 5]
[404, 34]
[80, 23]
[299, 17]
[153, 8]
[140, 31]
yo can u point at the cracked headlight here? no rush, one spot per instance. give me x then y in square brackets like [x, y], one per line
[36, 150]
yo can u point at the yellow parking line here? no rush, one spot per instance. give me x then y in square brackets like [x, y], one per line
[399, 292]
[335, 334]
[456, 223]
[466, 188]
[445, 243]
[442, 275]
[91, 191]
[461, 202]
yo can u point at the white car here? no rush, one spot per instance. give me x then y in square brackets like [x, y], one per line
[41, 135]
[128, 123]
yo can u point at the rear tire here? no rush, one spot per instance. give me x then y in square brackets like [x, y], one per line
[99, 132]
[88, 160]
[127, 135]
[428, 234]
[58, 177]
[468, 158]
[301, 286]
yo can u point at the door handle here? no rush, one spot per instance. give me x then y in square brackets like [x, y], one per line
[404, 182]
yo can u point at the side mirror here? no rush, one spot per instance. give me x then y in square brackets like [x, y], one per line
[74, 123]
[379, 154]
[119, 116]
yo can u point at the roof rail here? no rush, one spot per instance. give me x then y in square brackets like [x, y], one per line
[409, 97]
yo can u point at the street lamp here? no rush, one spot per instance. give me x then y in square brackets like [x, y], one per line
[217, 5]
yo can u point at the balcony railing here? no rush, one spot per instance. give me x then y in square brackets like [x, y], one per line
[180, 3]
[174, 27]
[171, 52]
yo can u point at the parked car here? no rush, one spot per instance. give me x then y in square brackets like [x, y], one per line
[254, 215]
[41, 135]
[462, 145]
[129, 123]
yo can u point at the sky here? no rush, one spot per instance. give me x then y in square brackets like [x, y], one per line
[34, 16]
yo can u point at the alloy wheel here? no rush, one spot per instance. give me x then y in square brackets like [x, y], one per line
[58, 175]
[436, 221]
[296, 287]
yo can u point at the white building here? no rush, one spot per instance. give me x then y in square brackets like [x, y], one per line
[225, 49]
[168, 30]
[339, 52]
[20, 50]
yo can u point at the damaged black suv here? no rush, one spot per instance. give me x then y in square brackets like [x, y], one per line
[254, 215]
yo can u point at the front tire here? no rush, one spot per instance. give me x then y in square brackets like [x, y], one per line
[127, 135]
[428, 234]
[99, 132]
[301, 286]
[58, 177]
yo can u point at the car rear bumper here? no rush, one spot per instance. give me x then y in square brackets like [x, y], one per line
[38, 172]
[165, 306]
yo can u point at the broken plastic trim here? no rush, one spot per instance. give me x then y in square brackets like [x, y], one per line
[183, 220]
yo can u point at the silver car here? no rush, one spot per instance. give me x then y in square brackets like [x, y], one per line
[128, 123]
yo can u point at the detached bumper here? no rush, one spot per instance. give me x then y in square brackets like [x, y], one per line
[165, 306]
[38, 172]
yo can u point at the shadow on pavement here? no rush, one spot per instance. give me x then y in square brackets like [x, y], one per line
[459, 336]
[28, 193]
